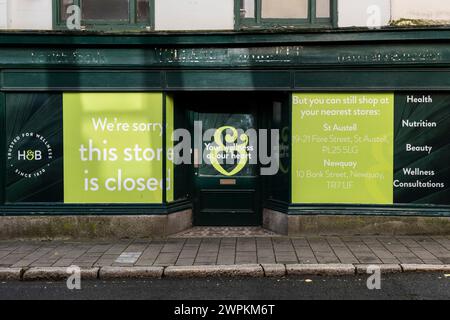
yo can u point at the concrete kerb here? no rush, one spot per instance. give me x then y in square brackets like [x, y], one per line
[320, 269]
[247, 270]
[211, 271]
[57, 273]
[11, 274]
[384, 268]
[274, 270]
[130, 272]
[425, 267]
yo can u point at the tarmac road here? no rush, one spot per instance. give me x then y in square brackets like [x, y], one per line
[406, 286]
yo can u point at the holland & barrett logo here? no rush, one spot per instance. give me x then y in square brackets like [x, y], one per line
[29, 155]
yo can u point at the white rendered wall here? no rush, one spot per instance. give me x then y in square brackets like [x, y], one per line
[420, 9]
[361, 13]
[194, 14]
[29, 14]
[3, 14]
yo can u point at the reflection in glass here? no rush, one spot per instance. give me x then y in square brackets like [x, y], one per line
[113, 10]
[142, 12]
[247, 8]
[64, 4]
[242, 122]
[285, 9]
[323, 8]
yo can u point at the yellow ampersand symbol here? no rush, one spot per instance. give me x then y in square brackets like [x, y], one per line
[240, 148]
[30, 155]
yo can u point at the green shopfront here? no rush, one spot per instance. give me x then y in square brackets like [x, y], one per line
[301, 133]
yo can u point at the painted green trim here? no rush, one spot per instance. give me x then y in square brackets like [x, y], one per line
[2, 147]
[281, 24]
[152, 14]
[237, 14]
[76, 80]
[334, 13]
[377, 79]
[239, 80]
[132, 13]
[312, 11]
[300, 80]
[357, 210]
[290, 147]
[255, 37]
[291, 56]
[258, 22]
[367, 210]
[48, 209]
[258, 11]
[164, 147]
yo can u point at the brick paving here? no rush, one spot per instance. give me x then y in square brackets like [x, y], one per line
[228, 251]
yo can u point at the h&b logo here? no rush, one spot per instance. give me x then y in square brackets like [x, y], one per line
[29, 155]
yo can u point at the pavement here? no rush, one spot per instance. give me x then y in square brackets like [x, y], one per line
[405, 286]
[230, 256]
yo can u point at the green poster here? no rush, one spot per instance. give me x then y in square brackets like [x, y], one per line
[113, 147]
[170, 168]
[342, 148]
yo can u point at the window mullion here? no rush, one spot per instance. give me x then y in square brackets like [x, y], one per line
[151, 14]
[333, 13]
[80, 5]
[312, 12]
[132, 11]
[258, 11]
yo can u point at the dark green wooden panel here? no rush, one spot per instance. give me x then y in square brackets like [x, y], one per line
[2, 147]
[333, 80]
[231, 200]
[355, 210]
[39, 113]
[76, 80]
[438, 161]
[223, 38]
[221, 79]
[366, 210]
[295, 55]
[278, 186]
[369, 79]
[94, 209]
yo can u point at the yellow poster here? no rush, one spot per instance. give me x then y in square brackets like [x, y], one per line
[343, 148]
[113, 150]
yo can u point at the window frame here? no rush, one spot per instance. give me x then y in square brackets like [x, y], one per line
[258, 22]
[108, 25]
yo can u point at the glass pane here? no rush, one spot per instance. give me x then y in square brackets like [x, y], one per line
[285, 9]
[142, 11]
[63, 6]
[323, 9]
[105, 10]
[248, 9]
[228, 160]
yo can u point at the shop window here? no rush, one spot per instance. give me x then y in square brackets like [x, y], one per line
[105, 10]
[284, 9]
[286, 13]
[106, 14]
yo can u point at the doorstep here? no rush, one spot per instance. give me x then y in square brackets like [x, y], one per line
[225, 232]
